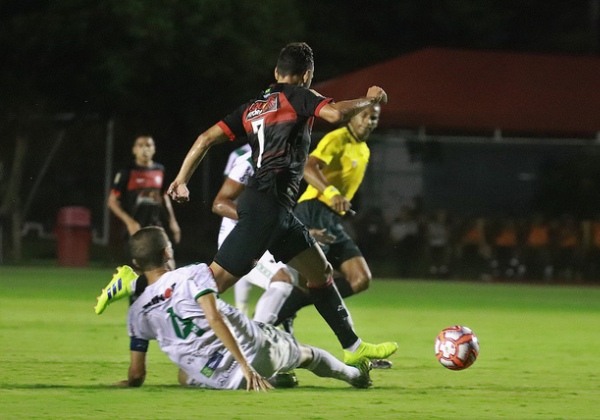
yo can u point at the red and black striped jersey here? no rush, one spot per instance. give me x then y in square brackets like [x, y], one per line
[277, 125]
[140, 190]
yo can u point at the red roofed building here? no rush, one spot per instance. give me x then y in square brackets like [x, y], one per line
[481, 132]
[482, 91]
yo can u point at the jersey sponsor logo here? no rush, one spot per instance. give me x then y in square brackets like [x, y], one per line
[260, 107]
[212, 364]
[139, 179]
[160, 298]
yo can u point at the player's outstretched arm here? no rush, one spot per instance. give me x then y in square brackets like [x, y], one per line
[173, 224]
[178, 189]
[254, 382]
[337, 112]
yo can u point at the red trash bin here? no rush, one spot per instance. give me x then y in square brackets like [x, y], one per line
[73, 236]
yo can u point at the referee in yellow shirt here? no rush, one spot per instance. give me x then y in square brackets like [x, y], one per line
[334, 172]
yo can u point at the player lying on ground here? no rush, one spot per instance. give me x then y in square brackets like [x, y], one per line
[213, 343]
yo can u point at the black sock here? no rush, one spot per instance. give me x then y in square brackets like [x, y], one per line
[329, 303]
[297, 300]
[343, 287]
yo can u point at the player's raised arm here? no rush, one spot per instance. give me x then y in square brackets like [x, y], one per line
[178, 189]
[337, 112]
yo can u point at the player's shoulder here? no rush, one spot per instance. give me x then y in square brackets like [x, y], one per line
[156, 166]
[191, 270]
[198, 278]
[291, 90]
[339, 137]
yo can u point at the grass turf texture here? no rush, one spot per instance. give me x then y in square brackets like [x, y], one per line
[539, 355]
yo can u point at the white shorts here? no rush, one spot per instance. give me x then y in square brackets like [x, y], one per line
[274, 351]
[279, 352]
[265, 269]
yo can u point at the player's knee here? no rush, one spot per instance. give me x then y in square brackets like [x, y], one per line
[362, 283]
[306, 355]
[359, 281]
[282, 275]
[182, 378]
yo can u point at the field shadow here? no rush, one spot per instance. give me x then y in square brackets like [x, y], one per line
[80, 386]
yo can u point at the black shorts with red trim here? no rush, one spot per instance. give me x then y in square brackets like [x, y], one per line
[264, 224]
[317, 215]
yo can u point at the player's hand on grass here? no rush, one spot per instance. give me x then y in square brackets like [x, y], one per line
[179, 192]
[254, 381]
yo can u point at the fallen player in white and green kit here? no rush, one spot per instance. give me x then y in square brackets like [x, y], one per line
[213, 343]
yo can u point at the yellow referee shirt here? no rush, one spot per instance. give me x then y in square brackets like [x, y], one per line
[346, 160]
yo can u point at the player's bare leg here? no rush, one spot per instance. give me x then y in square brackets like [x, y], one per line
[356, 273]
[223, 277]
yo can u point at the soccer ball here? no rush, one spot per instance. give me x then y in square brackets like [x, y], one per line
[457, 347]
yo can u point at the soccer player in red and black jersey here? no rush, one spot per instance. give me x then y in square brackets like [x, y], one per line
[277, 126]
[137, 196]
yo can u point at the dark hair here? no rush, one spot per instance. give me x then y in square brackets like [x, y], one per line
[295, 59]
[147, 247]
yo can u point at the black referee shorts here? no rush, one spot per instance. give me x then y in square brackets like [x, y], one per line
[317, 215]
[264, 224]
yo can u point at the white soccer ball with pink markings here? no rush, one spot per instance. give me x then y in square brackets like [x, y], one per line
[456, 347]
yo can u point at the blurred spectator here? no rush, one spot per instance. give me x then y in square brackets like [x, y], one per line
[473, 251]
[591, 249]
[567, 259]
[537, 261]
[372, 231]
[437, 232]
[404, 236]
[504, 239]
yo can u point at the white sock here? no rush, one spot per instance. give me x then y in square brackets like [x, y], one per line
[271, 301]
[241, 292]
[354, 346]
[325, 365]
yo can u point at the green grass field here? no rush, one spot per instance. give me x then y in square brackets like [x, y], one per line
[539, 355]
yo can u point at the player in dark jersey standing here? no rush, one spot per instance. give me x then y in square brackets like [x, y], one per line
[137, 196]
[139, 199]
[277, 126]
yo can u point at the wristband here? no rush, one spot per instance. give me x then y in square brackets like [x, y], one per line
[331, 192]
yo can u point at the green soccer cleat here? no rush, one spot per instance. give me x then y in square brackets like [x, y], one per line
[364, 380]
[121, 285]
[369, 351]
